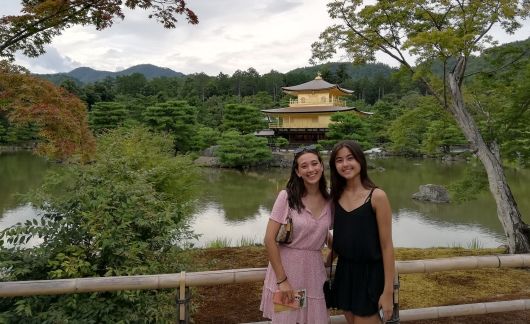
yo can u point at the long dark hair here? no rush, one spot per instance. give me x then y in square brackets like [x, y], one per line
[295, 186]
[337, 181]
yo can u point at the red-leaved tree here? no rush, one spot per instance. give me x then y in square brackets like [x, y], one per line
[60, 116]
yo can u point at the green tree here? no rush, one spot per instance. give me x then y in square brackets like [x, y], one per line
[131, 85]
[169, 87]
[125, 214]
[204, 138]
[72, 87]
[281, 142]
[385, 111]
[176, 118]
[502, 102]
[211, 112]
[273, 81]
[342, 73]
[435, 31]
[241, 151]
[423, 127]
[344, 126]
[135, 106]
[407, 131]
[261, 100]
[42, 20]
[472, 182]
[441, 135]
[243, 118]
[107, 115]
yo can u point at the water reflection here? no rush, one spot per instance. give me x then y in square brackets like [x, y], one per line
[235, 205]
[239, 196]
[411, 229]
[19, 173]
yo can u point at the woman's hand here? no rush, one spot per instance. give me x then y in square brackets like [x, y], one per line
[328, 260]
[287, 292]
[385, 302]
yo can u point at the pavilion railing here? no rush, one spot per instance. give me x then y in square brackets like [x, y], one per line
[317, 102]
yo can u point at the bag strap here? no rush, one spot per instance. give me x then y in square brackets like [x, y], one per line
[331, 264]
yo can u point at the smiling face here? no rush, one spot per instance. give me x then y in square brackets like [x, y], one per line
[309, 168]
[346, 164]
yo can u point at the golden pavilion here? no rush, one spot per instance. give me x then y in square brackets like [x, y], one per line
[308, 116]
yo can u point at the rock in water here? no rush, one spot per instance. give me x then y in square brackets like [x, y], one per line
[432, 193]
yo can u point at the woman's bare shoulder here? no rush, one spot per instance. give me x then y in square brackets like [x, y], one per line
[379, 195]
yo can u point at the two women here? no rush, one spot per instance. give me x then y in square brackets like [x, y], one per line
[362, 239]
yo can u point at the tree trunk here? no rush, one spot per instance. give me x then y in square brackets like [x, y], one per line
[517, 232]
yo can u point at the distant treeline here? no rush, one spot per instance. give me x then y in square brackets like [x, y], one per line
[201, 110]
[370, 82]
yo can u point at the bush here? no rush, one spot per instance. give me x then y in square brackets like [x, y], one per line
[241, 151]
[124, 214]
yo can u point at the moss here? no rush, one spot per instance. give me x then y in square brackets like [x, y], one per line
[417, 290]
[463, 287]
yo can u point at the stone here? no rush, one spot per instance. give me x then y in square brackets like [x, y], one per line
[432, 193]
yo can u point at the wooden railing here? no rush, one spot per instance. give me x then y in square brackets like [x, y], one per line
[233, 276]
[317, 102]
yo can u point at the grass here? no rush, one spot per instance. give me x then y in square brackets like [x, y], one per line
[249, 241]
[417, 290]
[220, 242]
[474, 244]
[224, 242]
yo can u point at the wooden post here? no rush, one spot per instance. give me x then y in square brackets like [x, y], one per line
[183, 301]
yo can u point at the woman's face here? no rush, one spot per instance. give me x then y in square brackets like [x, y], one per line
[346, 164]
[309, 168]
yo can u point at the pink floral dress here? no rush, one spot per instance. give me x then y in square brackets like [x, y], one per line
[302, 262]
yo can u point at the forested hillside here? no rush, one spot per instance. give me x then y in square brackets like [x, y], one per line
[86, 75]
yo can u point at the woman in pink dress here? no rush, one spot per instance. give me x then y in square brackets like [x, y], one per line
[299, 264]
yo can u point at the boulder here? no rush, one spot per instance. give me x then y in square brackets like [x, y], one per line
[433, 193]
[207, 161]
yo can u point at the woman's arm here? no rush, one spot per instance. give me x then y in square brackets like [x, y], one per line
[383, 212]
[275, 260]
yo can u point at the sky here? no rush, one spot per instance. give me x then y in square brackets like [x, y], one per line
[231, 35]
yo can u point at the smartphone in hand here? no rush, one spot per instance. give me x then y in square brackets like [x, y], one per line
[381, 314]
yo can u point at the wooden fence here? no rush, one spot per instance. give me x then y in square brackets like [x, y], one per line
[233, 276]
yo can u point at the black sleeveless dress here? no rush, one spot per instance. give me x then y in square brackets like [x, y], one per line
[359, 276]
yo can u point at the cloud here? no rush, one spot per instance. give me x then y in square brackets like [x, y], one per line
[231, 35]
[50, 62]
[280, 6]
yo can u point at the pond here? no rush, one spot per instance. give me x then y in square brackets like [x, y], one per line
[233, 207]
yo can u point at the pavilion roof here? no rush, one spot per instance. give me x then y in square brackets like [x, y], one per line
[317, 84]
[312, 109]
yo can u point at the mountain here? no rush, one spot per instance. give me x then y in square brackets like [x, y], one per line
[150, 71]
[89, 75]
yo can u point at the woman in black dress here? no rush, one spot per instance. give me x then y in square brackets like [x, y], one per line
[362, 238]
